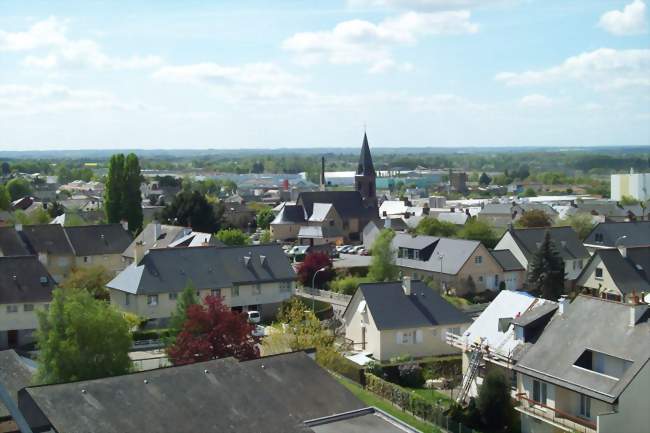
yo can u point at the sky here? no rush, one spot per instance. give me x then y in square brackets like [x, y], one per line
[298, 74]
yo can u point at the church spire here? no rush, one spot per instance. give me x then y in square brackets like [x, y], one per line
[366, 176]
[365, 167]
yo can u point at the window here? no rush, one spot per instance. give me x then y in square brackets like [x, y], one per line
[28, 307]
[480, 278]
[285, 286]
[86, 259]
[478, 260]
[257, 289]
[331, 223]
[152, 300]
[235, 291]
[173, 296]
[585, 406]
[539, 391]
[599, 237]
[127, 299]
[12, 308]
[216, 292]
[599, 273]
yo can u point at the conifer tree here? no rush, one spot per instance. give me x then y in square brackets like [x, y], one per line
[132, 199]
[547, 270]
[114, 193]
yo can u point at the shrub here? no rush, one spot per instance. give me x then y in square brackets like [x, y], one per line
[329, 358]
[411, 375]
[401, 358]
[375, 368]
[347, 285]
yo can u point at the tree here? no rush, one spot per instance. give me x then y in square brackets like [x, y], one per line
[55, 209]
[5, 168]
[192, 209]
[114, 191]
[627, 200]
[484, 180]
[5, 198]
[81, 338]
[132, 197]
[433, 227]
[529, 192]
[547, 270]
[535, 218]
[382, 263]
[312, 263]
[479, 230]
[581, 223]
[258, 167]
[494, 403]
[265, 237]
[92, 279]
[233, 237]
[18, 188]
[264, 218]
[298, 329]
[214, 331]
[186, 298]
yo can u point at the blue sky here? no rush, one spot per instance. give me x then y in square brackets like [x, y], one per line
[246, 74]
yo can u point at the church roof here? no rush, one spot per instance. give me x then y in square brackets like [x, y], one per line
[365, 167]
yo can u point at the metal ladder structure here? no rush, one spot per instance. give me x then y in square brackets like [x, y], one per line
[470, 374]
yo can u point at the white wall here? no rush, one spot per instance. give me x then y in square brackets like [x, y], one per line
[508, 243]
[633, 412]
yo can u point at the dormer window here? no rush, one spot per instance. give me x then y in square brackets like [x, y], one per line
[599, 237]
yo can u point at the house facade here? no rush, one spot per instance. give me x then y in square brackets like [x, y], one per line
[253, 277]
[401, 318]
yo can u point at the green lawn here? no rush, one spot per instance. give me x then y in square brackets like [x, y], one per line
[456, 301]
[372, 400]
[431, 395]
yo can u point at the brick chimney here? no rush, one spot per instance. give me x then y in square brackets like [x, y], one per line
[637, 308]
[138, 251]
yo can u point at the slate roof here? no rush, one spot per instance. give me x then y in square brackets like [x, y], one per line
[46, 238]
[14, 375]
[98, 239]
[588, 323]
[290, 214]
[392, 309]
[628, 273]
[10, 243]
[637, 234]
[458, 218]
[348, 204]
[26, 287]
[273, 394]
[454, 252]
[365, 166]
[170, 269]
[166, 234]
[531, 316]
[565, 239]
[507, 260]
[497, 209]
[320, 232]
[320, 211]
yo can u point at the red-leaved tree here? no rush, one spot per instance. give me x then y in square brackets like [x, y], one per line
[213, 331]
[312, 263]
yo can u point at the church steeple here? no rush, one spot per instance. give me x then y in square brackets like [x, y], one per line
[366, 175]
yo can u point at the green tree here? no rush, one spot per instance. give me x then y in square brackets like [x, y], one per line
[192, 209]
[479, 230]
[55, 209]
[186, 298]
[92, 279]
[114, 191]
[232, 237]
[264, 218]
[5, 198]
[81, 338]
[382, 263]
[433, 227]
[547, 270]
[494, 402]
[535, 218]
[581, 223]
[18, 188]
[265, 237]
[132, 197]
[484, 180]
[529, 192]
[627, 200]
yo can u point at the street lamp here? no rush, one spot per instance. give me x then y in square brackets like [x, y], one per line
[313, 288]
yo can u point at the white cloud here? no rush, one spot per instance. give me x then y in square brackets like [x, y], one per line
[363, 42]
[426, 5]
[630, 21]
[536, 101]
[18, 99]
[255, 80]
[50, 34]
[603, 69]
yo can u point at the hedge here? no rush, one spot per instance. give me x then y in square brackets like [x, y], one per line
[153, 334]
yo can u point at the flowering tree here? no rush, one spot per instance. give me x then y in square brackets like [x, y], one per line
[312, 263]
[213, 331]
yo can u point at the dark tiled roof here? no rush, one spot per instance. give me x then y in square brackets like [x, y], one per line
[290, 214]
[637, 234]
[14, 375]
[565, 239]
[365, 166]
[532, 315]
[98, 239]
[507, 260]
[10, 243]
[26, 287]
[170, 269]
[46, 238]
[274, 394]
[392, 309]
[348, 204]
[156, 236]
[631, 272]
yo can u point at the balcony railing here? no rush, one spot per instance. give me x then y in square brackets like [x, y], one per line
[564, 419]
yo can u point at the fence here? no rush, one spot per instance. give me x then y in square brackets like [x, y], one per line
[414, 404]
[339, 298]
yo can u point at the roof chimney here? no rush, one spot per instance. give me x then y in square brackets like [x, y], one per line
[636, 308]
[18, 227]
[406, 285]
[125, 224]
[138, 251]
[562, 303]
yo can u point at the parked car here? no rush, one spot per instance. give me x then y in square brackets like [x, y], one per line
[346, 249]
[355, 249]
[339, 248]
[254, 316]
[364, 252]
[259, 331]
